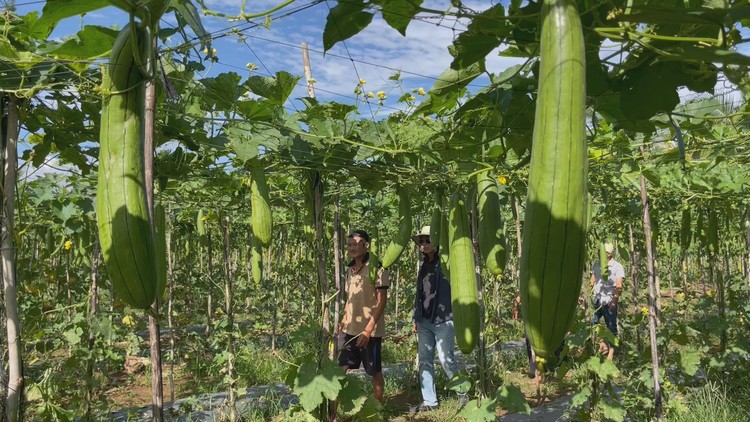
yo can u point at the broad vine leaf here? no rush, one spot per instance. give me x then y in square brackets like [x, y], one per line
[512, 399]
[399, 13]
[90, 42]
[612, 410]
[449, 87]
[187, 12]
[275, 89]
[353, 395]
[7, 51]
[604, 368]
[580, 398]
[312, 387]
[221, 91]
[73, 336]
[479, 410]
[461, 383]
[65, 211]
[648, 90]
[256, 110]
[690, 360]
[344, 21]
[56, 10]
[485, 33]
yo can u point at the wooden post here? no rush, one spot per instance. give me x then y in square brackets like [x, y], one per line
[308, 71]
[652, 304]
[634, 258]
[10, 293]
[228, 311]
[157, 388]
[336, 262]
[170, 297]
[93, 305]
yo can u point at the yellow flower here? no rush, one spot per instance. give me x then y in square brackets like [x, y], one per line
[644, 310]
[420, 91]
[667, 384]
[370, 94]
[710, 293]
[68, 245]
[205, 51]
[381, 95]
[213, 51]
[128, 321]
[502, 180]
[411, 98]
[362, 81]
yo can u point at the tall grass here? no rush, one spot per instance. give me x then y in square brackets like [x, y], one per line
[714, 403]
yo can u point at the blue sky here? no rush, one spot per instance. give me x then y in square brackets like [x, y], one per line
[372, 55]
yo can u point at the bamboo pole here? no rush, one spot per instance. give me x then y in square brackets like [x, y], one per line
[228, 311]
[652, 303]
[15, 387]
[157, 387]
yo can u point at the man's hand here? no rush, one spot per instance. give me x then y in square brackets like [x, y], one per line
[612, 305]
[363, 339]
[414, 326]
[514, 313]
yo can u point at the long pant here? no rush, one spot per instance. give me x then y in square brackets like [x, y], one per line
[610, 318]
[431, 337]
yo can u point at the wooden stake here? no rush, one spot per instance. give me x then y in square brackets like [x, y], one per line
[652, 311]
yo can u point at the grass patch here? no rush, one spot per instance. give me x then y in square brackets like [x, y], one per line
[712, 402]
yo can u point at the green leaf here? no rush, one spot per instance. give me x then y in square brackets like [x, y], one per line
[512, 399]
[256, 110]
[312, 387]
[353, 395]
[65, 211]
[56, 10]
[648, 90]
[479, 410]
[581, 398]
[90, 42]
[608, 370]
[485, 33]
[7, 51]
[690, 359]
[187, 12]
[612, 410]
[221, 91]
[344, 21]
[449, 87]
[461, 383]
[73, 336]
[399, 13]
[276, 90]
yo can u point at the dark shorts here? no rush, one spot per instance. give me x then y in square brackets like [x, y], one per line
[352, 356]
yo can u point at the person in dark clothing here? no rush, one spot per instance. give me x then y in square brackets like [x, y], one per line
[433, 320]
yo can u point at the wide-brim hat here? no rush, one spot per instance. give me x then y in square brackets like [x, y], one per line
[609, 248]
[424, 232]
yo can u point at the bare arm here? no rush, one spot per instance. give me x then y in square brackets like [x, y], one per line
[377, 312]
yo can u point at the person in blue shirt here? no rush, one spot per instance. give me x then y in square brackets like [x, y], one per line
[607, 295]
